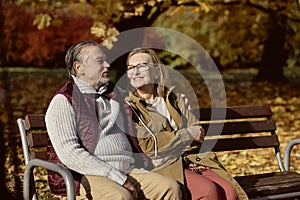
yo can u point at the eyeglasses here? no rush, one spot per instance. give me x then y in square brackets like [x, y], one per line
[141, 67]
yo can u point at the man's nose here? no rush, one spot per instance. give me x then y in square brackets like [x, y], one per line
[106, 64]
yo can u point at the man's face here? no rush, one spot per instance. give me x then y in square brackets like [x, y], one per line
[94, 68]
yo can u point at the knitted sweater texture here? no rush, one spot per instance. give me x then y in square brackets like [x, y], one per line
[112, 156]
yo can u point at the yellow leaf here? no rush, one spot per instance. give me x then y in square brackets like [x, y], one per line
[279, 100]
[138, 11]
[204, 7]
[182, 2]
[98, 29]
[151, 3]
[111, 32]
[4, 117]
[178, 10]
[42, 21]
[108, 43]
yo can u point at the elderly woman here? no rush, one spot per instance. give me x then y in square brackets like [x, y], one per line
[167, 131]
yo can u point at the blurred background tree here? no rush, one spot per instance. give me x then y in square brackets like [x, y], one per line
[236, 33]
[240, 34]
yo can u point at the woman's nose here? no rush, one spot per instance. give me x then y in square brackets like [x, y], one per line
[136, 70]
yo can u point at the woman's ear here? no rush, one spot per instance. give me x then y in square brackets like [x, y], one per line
[157, 72]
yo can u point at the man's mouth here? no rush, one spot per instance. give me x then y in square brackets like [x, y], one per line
[105, 74]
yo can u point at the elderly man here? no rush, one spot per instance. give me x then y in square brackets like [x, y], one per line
[87, 132]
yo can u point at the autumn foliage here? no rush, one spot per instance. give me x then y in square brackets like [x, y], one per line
[29, 47]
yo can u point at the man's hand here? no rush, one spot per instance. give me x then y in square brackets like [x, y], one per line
[197, 132]
[130, 187]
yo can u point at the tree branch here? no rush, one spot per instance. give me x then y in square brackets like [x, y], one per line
[261, 8]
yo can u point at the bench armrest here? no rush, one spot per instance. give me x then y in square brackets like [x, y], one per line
[287, 152]
[62, 170]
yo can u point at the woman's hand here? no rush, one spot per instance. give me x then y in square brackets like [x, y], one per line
[197, 132]
[130, 187]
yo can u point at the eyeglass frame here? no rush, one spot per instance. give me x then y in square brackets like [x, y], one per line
[139, 67]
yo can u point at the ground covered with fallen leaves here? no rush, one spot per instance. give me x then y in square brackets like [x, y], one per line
[26, 97]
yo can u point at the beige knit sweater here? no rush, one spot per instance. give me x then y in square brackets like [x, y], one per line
[113, 154]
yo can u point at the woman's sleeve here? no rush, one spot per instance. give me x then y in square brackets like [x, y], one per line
[169, 142]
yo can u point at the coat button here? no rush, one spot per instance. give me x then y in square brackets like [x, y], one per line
[198, 159]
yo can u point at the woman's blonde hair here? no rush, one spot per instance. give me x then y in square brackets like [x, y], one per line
[163, 81]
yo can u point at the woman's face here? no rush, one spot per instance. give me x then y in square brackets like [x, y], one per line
[141, 70]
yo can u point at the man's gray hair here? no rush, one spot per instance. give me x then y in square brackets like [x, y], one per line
[75, 53]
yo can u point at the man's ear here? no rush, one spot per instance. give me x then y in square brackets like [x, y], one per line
[77, 67]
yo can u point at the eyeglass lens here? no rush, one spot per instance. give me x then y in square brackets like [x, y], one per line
[141, 67]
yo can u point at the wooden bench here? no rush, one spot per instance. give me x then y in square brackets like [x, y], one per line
[34, 140]
[244, 128]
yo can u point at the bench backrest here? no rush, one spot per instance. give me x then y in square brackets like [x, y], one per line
[231, 128]
[34, 136]
[240, 128]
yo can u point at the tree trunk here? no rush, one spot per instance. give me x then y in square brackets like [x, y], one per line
[3, 148]
[2, 39]
[119, 64]
[3, 189]
[127, 24]
[274, 55]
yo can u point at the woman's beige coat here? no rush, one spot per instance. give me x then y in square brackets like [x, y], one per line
[172, 145]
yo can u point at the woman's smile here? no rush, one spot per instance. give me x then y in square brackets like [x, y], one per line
[138, 78]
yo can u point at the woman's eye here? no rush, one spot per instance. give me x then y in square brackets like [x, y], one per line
[142, 65]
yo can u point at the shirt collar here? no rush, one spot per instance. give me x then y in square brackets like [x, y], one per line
[84, 87]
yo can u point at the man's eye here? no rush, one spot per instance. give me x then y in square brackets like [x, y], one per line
[101, 61]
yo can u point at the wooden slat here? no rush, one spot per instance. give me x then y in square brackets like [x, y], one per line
[234, 112]
[270, 183]
[229, 128]
[35, 121]
[242, 143]
[39, 154]
[249, 111]
[37, 139]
